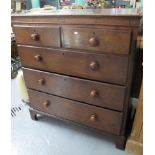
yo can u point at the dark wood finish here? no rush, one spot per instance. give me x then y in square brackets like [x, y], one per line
[96, 48]
[93, 118]
[138, 73]
[105, 120]
[116, 17]
[46, 104]
[37, 35]
[95, 39]
[38, 58]
[96, 93]
[33, 115]
[101, 133]
[121, 142]
[109, 68]
[94, 65]
[127, 104]
[14, 52]
[41, 81]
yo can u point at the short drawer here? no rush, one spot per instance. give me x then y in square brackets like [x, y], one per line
[37, 35]
[96, 93]
[108, 68]
[91, 116]
[97, 39]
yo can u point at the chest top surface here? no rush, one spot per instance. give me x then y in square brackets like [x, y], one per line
[84, 12]
[118, 17]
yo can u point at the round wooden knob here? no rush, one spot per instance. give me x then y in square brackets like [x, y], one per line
[46, 103]
[93, 65]
[93, 117]
[41, 81]
[93, 93]
[35, 36]
[93, 41]
[38, 58]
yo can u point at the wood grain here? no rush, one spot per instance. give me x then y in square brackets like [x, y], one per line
[48, 35]
[78, 20]
[99, 55]
[109, 40]
[110, 68]
[106, 120]
[107, 95]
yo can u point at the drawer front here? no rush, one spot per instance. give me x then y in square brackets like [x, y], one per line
[108, 68]
[101, 40]
[37, 35]
[91, 116]
[96, 93]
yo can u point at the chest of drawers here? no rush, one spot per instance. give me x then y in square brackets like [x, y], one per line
[78, 66]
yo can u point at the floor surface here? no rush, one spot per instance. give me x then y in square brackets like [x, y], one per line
[52, 137]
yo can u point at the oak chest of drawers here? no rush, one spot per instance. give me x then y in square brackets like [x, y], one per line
[78, 66]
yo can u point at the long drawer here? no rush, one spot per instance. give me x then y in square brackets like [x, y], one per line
[96, 39]
[107, 68]
[96, 93]
[99, 118]
[38, 35]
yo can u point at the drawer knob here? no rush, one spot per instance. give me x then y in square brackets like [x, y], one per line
[46, 103]
[93, 93]
[38, 58]
[93, 65]
[93, 41]
[41, 81]
[93, 117]
[35, 36]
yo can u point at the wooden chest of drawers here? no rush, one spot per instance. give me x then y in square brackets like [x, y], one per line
[78, 66]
